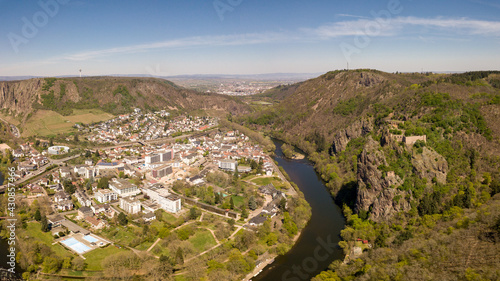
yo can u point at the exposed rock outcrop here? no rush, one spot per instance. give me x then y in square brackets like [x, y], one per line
[430, 164]
[18, 96]
[358, 129]
[377, 193]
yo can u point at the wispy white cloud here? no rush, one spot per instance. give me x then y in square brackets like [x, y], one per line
[396, 26]
[461, 25]
[372, 27]
[197, 41]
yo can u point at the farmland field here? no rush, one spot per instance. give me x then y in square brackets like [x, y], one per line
[47, 122]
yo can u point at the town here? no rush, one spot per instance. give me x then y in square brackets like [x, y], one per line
[99, 198]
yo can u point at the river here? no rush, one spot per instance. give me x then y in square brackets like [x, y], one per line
[316, 247]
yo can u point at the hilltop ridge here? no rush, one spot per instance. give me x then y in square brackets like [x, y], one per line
[115, 95]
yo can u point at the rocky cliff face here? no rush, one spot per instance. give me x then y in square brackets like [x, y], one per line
[378, 193]
[358, 129]
[430, 165]
[18, 96]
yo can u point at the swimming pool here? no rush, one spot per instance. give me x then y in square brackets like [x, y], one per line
[75, 245]
[91, 239]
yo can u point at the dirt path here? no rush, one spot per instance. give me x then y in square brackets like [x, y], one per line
[154, 244]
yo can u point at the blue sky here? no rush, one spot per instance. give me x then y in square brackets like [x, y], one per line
[59, 37]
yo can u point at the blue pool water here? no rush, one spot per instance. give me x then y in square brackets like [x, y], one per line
[89, 238]
[75, 245]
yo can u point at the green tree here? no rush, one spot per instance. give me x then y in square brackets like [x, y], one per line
[244, 212]
[236, 175]
[103, 183]
[145, 230]
[51, 265]
[68, 186]
[122, 219]
[179, 256]
[289, 225]
[44, 224]
[78, 264]
[252, 204]
[192, 213]
[231, 203]
[38, 216]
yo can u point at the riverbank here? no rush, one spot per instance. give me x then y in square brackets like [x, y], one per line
[316, 236]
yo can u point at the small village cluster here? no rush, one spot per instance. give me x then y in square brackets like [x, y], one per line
[138, 126]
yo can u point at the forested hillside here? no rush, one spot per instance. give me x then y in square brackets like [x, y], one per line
[414, 161]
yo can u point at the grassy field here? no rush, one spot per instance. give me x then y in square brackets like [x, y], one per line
[202, 240]
[47, 122]
[238, 200]
[265, 181]
[95, 257]
[171, 219]
[34, 231]
[120, 235]
[87, 116]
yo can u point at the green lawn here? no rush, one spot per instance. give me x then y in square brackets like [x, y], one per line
[122, 236]
[47, 122]
[238, 200]
[202, 240]
[171, 219]
[144, 246]
[265, 181]
[34, 231]
[95, 257]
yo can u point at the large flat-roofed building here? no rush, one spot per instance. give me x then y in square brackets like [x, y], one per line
[105, 195]
[228, 165]
[161, 196]
[153, 158]
[162, 171]
[167, 155]
[123, 187]
[130, 206]
[172, 204]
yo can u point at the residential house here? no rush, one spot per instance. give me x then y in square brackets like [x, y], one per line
[64, 205]
[95, 223]
[85, 212]
[61, 196]
[83, 198]
[65, 172]
[55, 220]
